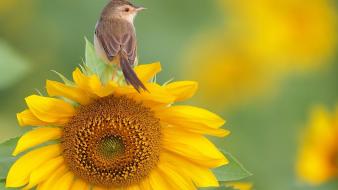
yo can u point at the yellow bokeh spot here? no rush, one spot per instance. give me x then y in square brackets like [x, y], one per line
[228, 74]
[317, 159]
[294, 34]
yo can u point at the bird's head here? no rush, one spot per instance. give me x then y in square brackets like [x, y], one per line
[121, 9]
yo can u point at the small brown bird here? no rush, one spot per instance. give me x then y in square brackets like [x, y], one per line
[115, 38]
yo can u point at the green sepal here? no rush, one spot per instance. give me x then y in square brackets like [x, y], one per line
[167, 82]
[6, 158]
[95, 65]
[64, 79]
[233, 171]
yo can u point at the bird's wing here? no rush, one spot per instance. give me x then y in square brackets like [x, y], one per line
[117, 36]
[129, 47]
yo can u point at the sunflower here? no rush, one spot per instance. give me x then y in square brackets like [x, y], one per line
[91, 135]
[318, 156]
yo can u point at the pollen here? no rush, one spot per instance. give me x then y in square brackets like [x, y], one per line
[112, 142]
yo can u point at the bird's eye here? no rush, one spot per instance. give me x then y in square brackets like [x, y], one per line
[127, 9]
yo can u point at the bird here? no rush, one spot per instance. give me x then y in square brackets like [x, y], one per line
[115, 38]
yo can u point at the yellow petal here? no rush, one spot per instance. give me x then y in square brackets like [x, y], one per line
[65, 182]
[89, 83]
[134, 187]
[158, 181]
[59, 89]
[177, 180]
[145, 185]
[193, 147]
[201, 176]
[200, 129]
[44, 171]
[156, 94]
[20, 171]
[183, 115]
[36, 137]
[79, 184]
[27, 118]
[182, 90]
[50, 182]
[106, 90]
[148, 71]
[81, 80]
[92, 84]
[50, 110]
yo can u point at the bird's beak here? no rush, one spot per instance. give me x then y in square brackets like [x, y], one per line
[138, 9]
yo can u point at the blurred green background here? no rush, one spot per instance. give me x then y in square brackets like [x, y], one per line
[37, 36]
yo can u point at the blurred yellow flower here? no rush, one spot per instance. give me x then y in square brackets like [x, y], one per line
[294, 34]
[112, 137]
[229, 75]
[16, 18]
[262, 39]
[7, 5]
[318, 155]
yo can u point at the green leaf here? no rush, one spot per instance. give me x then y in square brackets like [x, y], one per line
[6, 158]
[2, 185]
[12, 66]
[95, 65]
[233, 171]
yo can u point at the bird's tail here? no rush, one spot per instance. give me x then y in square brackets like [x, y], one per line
[130, 75]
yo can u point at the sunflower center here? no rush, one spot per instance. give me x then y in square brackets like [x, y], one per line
[113, 142]
[111, 146]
